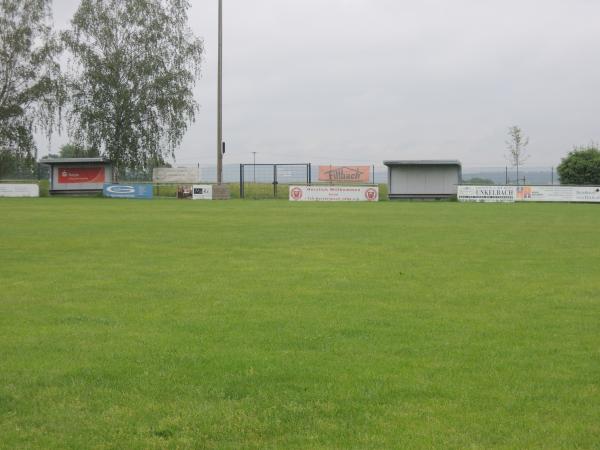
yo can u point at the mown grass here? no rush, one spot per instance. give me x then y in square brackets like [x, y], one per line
[166, 324]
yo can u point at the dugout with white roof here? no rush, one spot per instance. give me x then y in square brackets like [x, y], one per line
[423, 179]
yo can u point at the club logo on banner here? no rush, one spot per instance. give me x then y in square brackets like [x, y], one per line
[128, 190]
[344, 174]
[296, 194]
[334, 194]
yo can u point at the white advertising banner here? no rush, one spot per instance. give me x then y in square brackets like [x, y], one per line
[588, 194]
[19, 190]
[580, 194]
[202, 192]
[334, 193]
[176, 175]
[487, 194]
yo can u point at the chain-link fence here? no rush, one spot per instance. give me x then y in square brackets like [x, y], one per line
[259, 181]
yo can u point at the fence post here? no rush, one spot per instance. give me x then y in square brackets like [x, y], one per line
[241, 181]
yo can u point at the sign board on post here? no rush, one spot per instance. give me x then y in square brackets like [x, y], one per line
[176, 175]
[128, 190]
[334, 193]
[344, 174]
[19, 190]
[202, 192]
[487, 194]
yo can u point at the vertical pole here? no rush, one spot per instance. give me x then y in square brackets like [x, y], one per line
[220, 99]
[373, 173]
[553, 176]
[309, 174]
[241, 181]
[506, 175]
[275, 180]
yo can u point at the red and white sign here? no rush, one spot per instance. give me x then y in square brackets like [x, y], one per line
[334, 193]
[72, 175]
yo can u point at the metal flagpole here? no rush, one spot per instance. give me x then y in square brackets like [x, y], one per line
[220, 100]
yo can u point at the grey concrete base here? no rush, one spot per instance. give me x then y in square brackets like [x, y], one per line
[220, 192]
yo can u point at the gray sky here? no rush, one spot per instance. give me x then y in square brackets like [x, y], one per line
[342, 81]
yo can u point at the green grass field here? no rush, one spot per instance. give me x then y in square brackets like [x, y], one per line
[249, 324]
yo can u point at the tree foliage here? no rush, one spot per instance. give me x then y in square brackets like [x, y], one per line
[581, 166]
[77, 151]
[517, 145]
[133, 70]
[30, 85]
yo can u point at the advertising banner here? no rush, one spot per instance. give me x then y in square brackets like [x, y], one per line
[127, 190]
[334, 193]
[19, 190]
[487, 194]
[176, 175]
[202, 192]
[72, 175]
[345, 174]
[588, 194]
[579, 194]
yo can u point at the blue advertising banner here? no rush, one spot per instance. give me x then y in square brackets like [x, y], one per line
[127, 190]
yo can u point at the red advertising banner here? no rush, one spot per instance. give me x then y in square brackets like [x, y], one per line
[70, 175]
[344, 174]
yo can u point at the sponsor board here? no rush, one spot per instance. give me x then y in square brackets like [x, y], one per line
[176, 175]
[487, 194]
[19, 190]
[580, 194]
[76, 175]
[334, 193]
[202, 192]
[127, 190]
[588, 194]
[344, 174]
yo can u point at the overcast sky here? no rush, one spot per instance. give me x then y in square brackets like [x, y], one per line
[343, 81]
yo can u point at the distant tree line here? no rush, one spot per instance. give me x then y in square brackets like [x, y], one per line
[127, 93]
